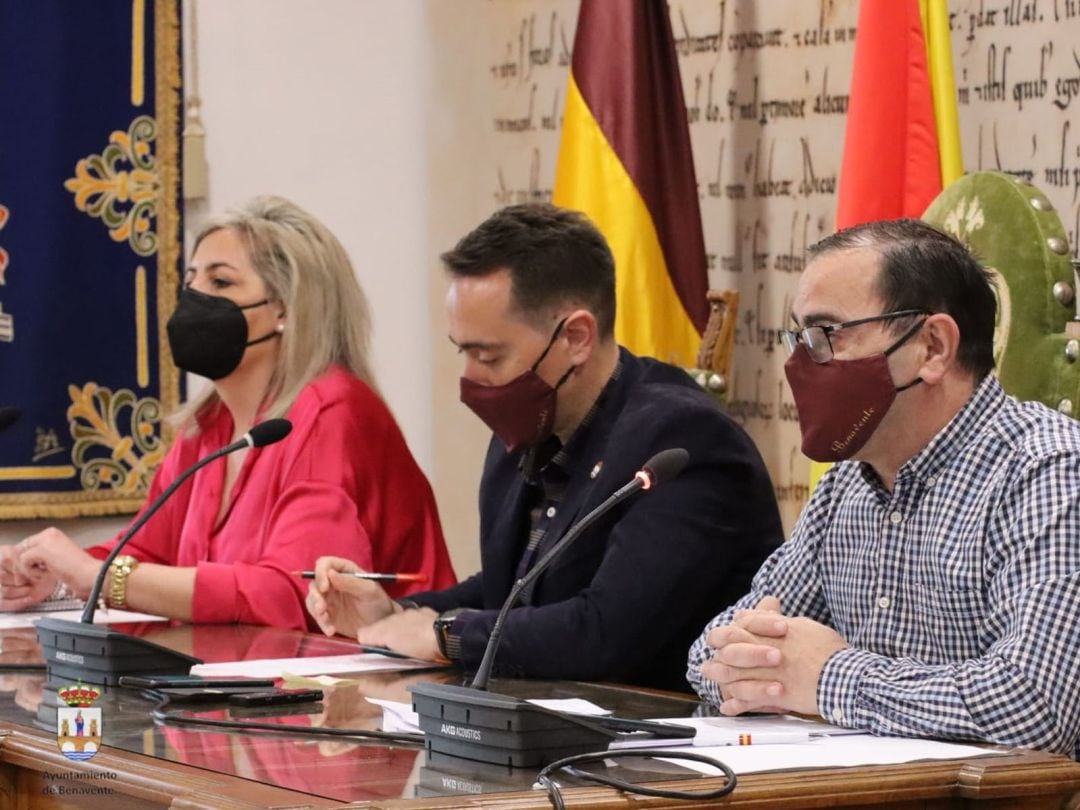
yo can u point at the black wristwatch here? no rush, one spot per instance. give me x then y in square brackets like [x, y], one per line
[443, 622]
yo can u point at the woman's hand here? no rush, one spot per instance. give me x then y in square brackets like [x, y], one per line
[16, 590]
[342, 604]
[40, 561]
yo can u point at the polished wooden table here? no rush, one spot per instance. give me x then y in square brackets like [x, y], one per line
[146, 765]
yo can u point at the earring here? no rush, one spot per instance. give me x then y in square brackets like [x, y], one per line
[280, 328]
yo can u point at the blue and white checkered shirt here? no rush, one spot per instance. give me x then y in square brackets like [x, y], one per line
[959, 591]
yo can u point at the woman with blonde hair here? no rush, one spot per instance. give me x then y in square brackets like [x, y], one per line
[272, 313]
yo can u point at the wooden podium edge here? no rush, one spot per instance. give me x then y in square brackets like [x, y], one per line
[1049, 779]
[29, 755]
[1041, 779]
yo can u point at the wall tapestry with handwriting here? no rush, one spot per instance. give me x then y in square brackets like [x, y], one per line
[766, 87]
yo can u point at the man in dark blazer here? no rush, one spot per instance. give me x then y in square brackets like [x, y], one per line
[532, 307]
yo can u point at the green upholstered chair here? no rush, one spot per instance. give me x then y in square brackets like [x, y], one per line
[1014, 230]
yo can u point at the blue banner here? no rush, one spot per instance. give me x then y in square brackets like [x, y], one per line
[90, 98]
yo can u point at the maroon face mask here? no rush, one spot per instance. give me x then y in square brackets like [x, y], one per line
[841, 402]
[521, 412]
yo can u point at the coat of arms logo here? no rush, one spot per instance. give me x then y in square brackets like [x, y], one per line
[78, 722]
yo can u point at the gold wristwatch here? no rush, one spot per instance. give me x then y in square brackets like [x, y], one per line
[119, 570]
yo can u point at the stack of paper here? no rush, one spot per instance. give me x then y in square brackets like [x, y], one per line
[318, 665]
[13, 621]
[830, 752]
[400, 717]
[773, 729]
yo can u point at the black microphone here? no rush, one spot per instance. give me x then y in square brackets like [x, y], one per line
[262, 434]
[473, 723]
[65, 642]
[8, 416]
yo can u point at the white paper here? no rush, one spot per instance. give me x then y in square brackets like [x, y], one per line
[400, 717]
[571, 706]
[324, 665]
[831, 752]
[716, 731]
[13, 621]
[775, 729]
[762, 724]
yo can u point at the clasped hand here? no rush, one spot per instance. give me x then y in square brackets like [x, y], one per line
[29, 570]
[767, 662]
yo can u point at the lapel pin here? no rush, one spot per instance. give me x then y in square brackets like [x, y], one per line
[596, 469]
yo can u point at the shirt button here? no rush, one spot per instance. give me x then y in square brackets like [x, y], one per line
[896, 518]
[550, 511]
[883, 602]
[930, 481]
[838, 714]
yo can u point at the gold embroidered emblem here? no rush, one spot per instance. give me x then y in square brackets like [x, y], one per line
[105, 456]
[124, 199]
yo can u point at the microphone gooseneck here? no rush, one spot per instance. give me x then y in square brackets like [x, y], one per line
[659, 469]
[262, 434]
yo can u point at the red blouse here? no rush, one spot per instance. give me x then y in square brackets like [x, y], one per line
[342, 483]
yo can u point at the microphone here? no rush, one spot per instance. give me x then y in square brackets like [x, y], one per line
[473, 723]
[107, 654]
[8, 416]
[262, 434]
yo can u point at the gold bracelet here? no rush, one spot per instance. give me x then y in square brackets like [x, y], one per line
[119, 571]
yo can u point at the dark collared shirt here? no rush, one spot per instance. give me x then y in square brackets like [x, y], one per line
[547, 469]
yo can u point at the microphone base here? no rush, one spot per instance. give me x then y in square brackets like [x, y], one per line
[472, 724]
[94, 653]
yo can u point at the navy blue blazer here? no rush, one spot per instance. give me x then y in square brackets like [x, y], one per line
[626, 600]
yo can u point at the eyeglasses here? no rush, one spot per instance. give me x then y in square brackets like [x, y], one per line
[819, 344]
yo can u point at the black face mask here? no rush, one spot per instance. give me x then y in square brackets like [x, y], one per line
[208, 334]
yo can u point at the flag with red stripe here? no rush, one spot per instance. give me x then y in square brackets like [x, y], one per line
[891, 165]
[625, 161]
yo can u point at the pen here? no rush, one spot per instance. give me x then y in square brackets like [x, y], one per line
[654, 727]
[755, 738]
[369, 575]
[706, 738]
[368, 648]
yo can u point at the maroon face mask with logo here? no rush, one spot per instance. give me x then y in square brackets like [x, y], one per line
[521, 412]
[841, 402]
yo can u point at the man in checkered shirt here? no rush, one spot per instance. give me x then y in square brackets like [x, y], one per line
[932, 585]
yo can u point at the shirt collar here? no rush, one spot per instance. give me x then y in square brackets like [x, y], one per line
[978, 413]
[553, 453]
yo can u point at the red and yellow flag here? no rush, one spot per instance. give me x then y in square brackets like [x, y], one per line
[625, 161]
[902, 142]
[901, 145]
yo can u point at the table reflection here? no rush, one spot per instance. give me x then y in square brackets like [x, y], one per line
[346, 768]
[20, 656]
